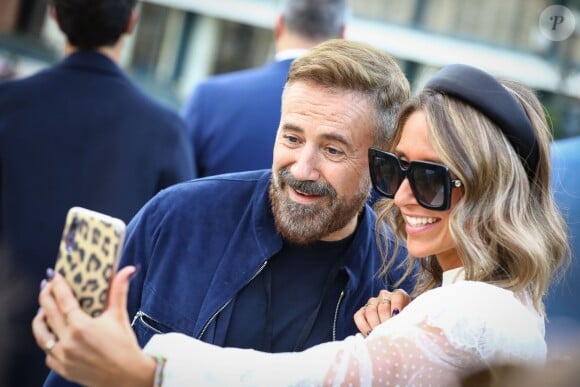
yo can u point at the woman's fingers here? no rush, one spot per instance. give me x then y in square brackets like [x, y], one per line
[399, 300]
[371, 312]
[45, 339]
[384, 308]
[379, 309]
[50, 310]
[361, 322]
[64, 297]
[367, 317]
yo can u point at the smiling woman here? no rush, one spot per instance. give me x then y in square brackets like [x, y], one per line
[426, 221]
[494, 138]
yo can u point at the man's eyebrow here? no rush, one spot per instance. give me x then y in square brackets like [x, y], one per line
[290, 126]
[336, 137]
[326, 136]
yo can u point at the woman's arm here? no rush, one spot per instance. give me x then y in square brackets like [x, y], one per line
[103, 351]
[433, 341]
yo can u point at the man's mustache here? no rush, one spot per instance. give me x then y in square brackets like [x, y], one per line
[306, 186]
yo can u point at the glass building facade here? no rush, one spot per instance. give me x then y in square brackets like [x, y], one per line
[179, 42]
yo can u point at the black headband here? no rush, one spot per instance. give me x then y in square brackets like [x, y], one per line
[486, 94]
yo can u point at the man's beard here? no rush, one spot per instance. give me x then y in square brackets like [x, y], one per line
[303, 224]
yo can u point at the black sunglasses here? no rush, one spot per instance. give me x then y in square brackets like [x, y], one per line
[430, 182]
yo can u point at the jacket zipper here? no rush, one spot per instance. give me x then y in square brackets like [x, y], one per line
[139, 315]
[336, 315]
[228, 301]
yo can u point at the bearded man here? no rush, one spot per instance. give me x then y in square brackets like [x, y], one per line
[277, 260]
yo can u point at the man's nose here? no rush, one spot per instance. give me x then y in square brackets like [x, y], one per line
[306, 165]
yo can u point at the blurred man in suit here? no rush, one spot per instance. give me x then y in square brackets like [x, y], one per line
[563, 304]
[232, 118]
[77, 134]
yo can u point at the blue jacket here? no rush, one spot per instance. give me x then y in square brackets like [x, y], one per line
[79, 133]
[199, 242]
[232, 119]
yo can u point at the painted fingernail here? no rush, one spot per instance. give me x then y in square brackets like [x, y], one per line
[43, 283]
[49, 273]
[369, 332]
[395, 311]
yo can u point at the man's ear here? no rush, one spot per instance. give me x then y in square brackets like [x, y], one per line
[131, 22]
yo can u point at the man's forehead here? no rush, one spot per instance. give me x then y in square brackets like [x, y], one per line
[309, 107]
[308, 84]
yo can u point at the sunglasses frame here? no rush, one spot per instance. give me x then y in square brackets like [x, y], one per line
[448, 184]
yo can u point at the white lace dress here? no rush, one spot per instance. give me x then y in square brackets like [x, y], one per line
[442, 335]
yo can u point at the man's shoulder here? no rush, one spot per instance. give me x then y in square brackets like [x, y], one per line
[227, 195]
[247, 179]
[254, 78]
[152, 112]
[28, 82]
[230, 185]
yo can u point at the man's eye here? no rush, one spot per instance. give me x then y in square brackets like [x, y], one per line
[334, 152]
[291, 139]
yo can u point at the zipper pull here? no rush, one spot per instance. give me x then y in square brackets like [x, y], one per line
[137, 315]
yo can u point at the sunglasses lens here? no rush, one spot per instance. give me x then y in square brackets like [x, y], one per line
[429, 183]
[386, 175]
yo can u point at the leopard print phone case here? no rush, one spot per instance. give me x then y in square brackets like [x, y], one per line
[88, 255]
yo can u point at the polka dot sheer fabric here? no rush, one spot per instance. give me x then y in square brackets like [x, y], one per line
[440, 337]
[391, 362]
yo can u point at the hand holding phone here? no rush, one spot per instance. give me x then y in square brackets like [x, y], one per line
[88, 255]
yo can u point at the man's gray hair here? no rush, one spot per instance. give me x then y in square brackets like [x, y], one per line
[315, 19]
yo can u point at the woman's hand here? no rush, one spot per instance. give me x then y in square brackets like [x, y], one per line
[101, 351]
[379, 309]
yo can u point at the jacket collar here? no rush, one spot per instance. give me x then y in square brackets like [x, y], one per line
[92, 61]
[290, 54]
[269, 240]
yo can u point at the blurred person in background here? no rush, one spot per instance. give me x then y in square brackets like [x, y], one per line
[12, 290]
[77, 134]
[232, 118]
[563, 304]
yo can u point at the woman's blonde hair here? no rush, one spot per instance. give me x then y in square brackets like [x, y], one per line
[506, 226]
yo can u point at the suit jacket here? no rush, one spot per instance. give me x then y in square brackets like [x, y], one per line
[77, 134]
[232, 119]
[563, 302]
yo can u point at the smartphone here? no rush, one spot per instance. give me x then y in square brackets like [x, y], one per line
[88, 255]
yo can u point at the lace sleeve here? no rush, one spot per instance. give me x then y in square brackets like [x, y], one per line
[419, 355]
[436, 340]
[378, 360]
[442, 336]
